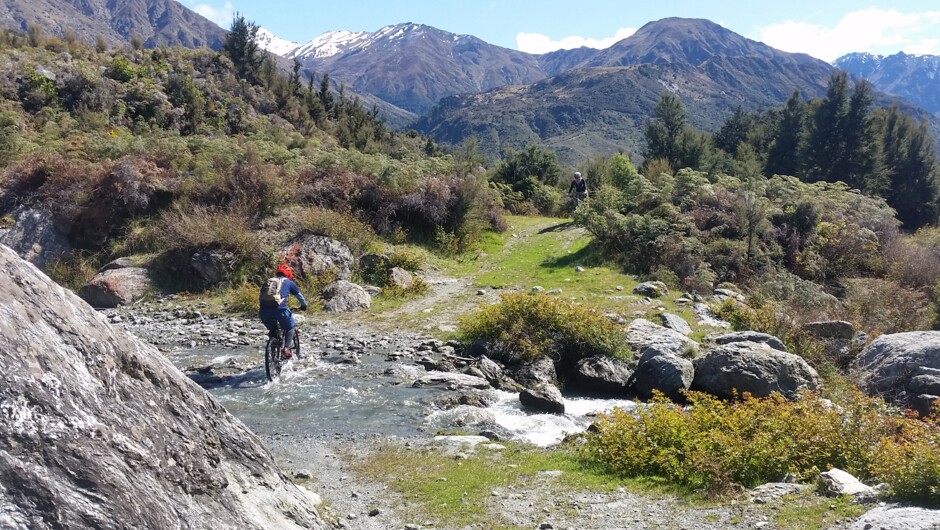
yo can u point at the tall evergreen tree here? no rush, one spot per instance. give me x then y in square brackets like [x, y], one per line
[734, 131]
[862, 164]
[783, 157]
[911, 167]
[241, 46]
[664, 131]
[825, 148]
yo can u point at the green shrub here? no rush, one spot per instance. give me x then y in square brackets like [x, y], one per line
[716, 445]
[242, 299]
[524, 327]
[409, 259]
[909, 461]
[883, 306]
[343, 227]
[766, 316]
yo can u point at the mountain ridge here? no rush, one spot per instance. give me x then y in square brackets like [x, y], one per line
[916, 78]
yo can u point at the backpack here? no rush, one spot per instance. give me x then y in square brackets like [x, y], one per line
[271, 292]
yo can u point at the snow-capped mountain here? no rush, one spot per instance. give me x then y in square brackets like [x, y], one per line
[329, 44]
[274, 44]
[913, 77]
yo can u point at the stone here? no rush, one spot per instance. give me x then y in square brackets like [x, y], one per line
[665, 372]
[752, 367]
[707, 317]
[451, 380]
[836, 482]
[345, 297]
[776, 490]
[400, 278]
[898, 518]
[643, 334]
[651, 289]
[675, 323]
[115, 287]
[887, 365]
[312, 255]
[109, 433]
[750, 336]
[724, 294]
[831, 329]
[119, 263]
[601, 374]
[545, 397]
[534, 373]
[34, 236]
[212, 266]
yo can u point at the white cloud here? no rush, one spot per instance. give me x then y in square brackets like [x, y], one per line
[880, 31]
[220, 15]
[538, 43]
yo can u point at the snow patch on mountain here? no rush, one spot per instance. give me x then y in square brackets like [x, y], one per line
[270, 42]
[330, 43]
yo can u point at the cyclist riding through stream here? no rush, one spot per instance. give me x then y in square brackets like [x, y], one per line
[273, 301]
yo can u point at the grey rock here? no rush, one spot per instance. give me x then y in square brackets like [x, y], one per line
[707, 317]
[665, 372]
[451, 380]
[837, 482]
[776, 490]
[545, 397]
[752, 367]
[888, 363]
[675, 323]
[312, 255]
[400, 278]
[643, 334]
[751, 336]
[491, 371]
[898, 518]
[345, 297]
[723, 294]
[831, 329]
[925, 381]
[651, 289]
[212, 266]
[115, 287]
[34, 236]
[110, 433]
[601, 374]
[534, 373]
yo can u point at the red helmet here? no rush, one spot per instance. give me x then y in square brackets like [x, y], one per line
[285, 269]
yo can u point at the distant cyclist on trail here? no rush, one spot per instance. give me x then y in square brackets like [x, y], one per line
[273, 301]
[579, 186]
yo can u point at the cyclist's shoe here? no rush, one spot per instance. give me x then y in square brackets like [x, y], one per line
[286, 353]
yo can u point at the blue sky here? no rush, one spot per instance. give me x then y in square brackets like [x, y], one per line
[823, 28]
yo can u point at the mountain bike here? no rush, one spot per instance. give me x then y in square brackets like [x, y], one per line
[276, 354]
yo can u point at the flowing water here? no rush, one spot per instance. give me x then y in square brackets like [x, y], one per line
[324, 394]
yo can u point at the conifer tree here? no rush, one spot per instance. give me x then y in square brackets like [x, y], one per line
[911, 168]
[825, 148]
[783, 156]
[664, 131]
[241, 46]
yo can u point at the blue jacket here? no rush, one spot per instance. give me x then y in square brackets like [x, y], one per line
[287, 288]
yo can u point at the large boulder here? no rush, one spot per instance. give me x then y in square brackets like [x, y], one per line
[752, 367]
[345, 297]
[534, 373]
[675, 323]
[750, 336]
[651, 289]
[34, 236]
[830, 329]
[400, 278]
[665, 372]
[894, 517]
[545, 397]
[108, 433]
[212, 266]
[643, 334]
[888, 364]
[601, 374]
[312, 255]
[115, 287]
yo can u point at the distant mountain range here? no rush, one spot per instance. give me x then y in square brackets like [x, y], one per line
[157, 22]
[580, 102]
[915, 78]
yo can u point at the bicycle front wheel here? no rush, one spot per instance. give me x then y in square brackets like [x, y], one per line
[272, 359]
[295, 348]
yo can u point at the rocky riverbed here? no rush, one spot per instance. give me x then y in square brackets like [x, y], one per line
[351, 395]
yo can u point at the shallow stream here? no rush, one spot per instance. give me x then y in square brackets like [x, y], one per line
[327, 393]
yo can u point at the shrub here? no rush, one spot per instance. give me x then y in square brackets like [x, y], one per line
[717, 445]
[883, 306]
[243, 299]
[343, 227]
[524, 327]
[909, 461]
[766, 316]
[408, 258]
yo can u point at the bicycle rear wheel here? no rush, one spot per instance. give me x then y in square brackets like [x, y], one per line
[272, 359]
